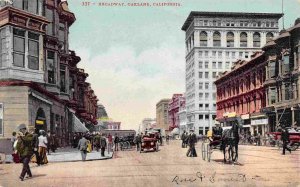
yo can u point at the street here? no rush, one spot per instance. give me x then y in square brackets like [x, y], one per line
[257, 166]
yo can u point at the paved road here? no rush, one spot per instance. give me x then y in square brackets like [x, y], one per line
[258, 166]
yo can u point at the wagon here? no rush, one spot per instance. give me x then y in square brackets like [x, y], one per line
[149, 142]
[293, 136]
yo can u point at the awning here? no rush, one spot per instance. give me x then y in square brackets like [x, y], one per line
[224, 128]
[78, 126]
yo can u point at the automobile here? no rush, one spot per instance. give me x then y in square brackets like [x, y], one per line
[149, 142]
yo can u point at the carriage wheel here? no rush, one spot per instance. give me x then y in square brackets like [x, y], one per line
[203, 151]
[209, 152]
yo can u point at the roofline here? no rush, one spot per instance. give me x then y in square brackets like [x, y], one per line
[227, 14]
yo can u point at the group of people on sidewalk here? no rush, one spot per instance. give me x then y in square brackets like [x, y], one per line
[88, 142]
[30, 146]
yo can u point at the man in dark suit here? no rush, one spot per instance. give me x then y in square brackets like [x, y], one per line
[102, 145]
[285, 139]
[192, 140]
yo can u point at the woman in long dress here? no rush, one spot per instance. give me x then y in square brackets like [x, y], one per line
[43, 147]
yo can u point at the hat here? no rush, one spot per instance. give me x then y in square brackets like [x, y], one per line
[21, 126]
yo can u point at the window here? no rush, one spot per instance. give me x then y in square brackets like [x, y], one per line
[246, 55]
[206, 75]
[214, 64]
[33, 51]
[200, 64]
[220, 54]
[206, 85]
[200, 74]
[63, 78]
[241, 54]
[214, 116]
[203, 38]
[272, 69]
[243, 39]
[227, 54]
[201, 106]
[205, 22]
[200, 85]
[206, 53]
[286, 64]
[49, 16]
[206, 65]
[206, 117]
[227, 65]
[219, 65]
[19, 48]
[272, 94]
[214, 75]
[217, 39]
[200, 96]
[206, 95]
[1, 119]
[51, 67]
[269, 36]
[61, 34]
[206, 106]
[256, 39]
[230, 39]
[201, 117]
[2, 45]
[214, 96]
[33, 6]
[200, 53]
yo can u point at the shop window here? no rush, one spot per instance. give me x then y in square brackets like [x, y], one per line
[19, 47]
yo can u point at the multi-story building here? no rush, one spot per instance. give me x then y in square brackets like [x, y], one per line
[182, 116]
[147, 123]
[282, 78]
[173, 109]
[213, 41]
[240, 94]
[114, 125]
[40, 84]
[162, 114]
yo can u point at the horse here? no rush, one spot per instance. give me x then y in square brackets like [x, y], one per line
[230, 137]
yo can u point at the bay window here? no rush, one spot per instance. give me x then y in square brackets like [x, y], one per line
[63, 79]
[18, 48]
[33, 51]
[51, 67]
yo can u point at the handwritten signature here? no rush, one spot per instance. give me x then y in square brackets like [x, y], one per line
[237, 177]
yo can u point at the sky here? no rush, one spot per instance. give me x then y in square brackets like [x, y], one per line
[135, 56]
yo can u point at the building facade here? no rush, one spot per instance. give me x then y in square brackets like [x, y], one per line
[173, 111]
[213, 41]
[241, 94]
[282, 78]
[182, 116]
[147, 123]
[114, 125]
[40, 84]
[162, 114]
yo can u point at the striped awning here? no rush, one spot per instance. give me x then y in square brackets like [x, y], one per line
[78, 126]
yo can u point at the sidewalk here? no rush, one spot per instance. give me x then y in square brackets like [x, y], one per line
[72, 154]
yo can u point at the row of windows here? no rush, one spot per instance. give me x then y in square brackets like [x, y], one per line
[206, 117]
[219, 54]
[206, 85]
[230, 23]
[214, 65]
[207, 75]
[206, 96]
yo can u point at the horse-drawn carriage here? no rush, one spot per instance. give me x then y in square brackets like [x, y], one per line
[226, 141]
[149, 141]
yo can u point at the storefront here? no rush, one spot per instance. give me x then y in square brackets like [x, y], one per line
[259, 125]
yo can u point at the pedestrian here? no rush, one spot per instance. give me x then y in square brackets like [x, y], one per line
[192, 139]
[138, 141]
[35, 145]
[13, 139]
[183, 139]
[42, 143]
[103, 145]
[82, 146]
[285, 139]
[116, 142]
[25, 151]
[167, 139]
[258, 139]
[97, 141]
[110, 143]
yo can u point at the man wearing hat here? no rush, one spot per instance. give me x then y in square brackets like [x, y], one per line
[285, 139]
[25, 150]
[192, 139]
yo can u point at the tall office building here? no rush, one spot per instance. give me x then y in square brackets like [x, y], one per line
[213, 41]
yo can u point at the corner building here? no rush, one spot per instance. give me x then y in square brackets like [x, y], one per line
[213, 41]
[40, 84]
